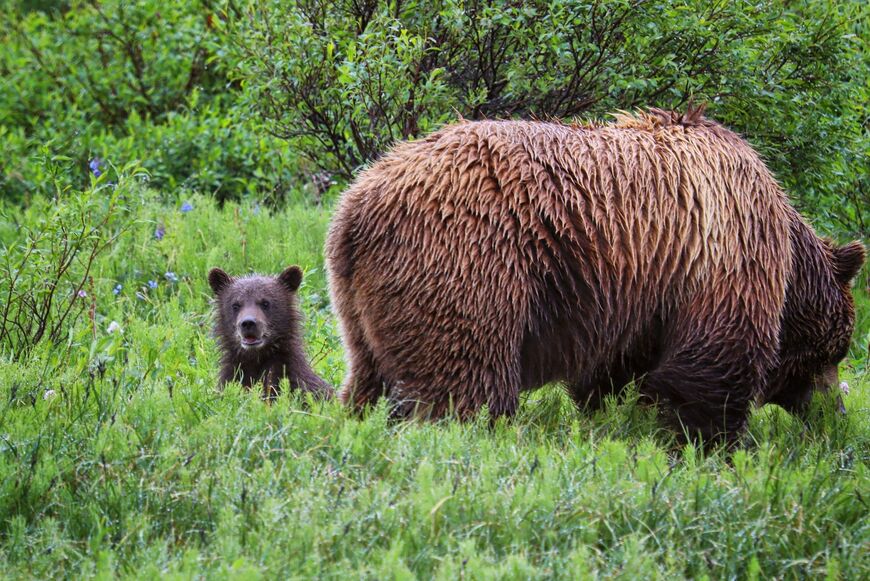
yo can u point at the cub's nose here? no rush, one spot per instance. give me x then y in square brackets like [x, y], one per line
[248, 324]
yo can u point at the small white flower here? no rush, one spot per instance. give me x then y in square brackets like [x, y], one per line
[49, 394]
[113, 327]
[844, 387]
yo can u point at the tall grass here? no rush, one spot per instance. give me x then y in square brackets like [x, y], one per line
[119, 458]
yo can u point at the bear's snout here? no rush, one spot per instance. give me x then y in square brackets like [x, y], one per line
[250, 331]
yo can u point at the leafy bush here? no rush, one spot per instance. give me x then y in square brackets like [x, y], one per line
[131, 82]
[107, 60]
[45, 270]
[270, 99]
[205, 147]
[344, 79]
[209, 148]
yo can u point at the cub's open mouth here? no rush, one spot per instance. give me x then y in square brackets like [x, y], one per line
[251, 341]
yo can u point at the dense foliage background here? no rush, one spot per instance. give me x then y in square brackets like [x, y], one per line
[277, 99]
[145, 141]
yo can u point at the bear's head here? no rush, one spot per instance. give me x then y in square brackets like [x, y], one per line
[255, 313]
[817, 323]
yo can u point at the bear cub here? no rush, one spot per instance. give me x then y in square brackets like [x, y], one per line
[258, 329]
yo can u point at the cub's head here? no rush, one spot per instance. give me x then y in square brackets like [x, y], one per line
[255, 313]
[817, 325]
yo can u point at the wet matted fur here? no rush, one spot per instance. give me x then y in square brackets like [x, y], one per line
[493, 257]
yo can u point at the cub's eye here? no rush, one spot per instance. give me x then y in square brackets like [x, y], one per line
[236, 307]
[265, 304]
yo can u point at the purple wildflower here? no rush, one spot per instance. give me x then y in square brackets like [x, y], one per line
[152, 284]
[82, 294]
[94, 166]
[117, 290]
[159, 232]
[186, 207]
[171, 276]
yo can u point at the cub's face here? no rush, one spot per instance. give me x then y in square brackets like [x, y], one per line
[254, 312]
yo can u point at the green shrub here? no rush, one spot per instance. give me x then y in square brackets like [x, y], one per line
[272, 99]
[131, 82]
[106, 60]
[342, 80]
[46, 267]
[206, 147]
[209, 148]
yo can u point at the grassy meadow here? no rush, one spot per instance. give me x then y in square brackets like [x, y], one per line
[144, 142]
[118, 457]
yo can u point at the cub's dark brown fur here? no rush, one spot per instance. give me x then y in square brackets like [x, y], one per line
[258, 328]
[494, 257]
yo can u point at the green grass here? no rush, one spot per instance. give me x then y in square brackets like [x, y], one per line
[137, 467]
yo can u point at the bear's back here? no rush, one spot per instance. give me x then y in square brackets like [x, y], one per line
[632, 206]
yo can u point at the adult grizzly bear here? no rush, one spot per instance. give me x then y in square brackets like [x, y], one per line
[494, 257]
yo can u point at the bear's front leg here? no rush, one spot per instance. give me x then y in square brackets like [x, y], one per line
[713, 367]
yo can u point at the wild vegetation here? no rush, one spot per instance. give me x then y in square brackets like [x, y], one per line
[147, 141]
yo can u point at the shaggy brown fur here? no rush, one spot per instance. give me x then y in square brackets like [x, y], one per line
[258, 328]
[494, 257]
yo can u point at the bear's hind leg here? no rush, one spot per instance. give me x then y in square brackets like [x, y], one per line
[363, 385]
[460, 389]
[434, 375]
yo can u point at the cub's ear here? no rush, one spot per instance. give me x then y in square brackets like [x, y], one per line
[219, 280]
[848, 260]
[291, 278]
